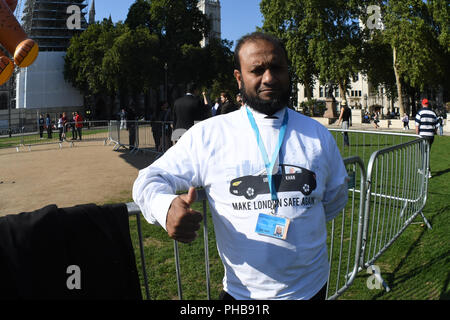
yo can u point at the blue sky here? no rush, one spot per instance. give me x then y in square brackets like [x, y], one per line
[238, 16]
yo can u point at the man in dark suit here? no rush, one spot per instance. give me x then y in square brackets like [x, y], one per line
[188, 109]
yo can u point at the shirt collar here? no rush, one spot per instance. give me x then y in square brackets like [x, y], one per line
[275, 118]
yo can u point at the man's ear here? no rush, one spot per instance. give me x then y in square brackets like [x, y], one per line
[238, 76]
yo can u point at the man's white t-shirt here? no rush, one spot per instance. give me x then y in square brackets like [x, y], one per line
[221, 155]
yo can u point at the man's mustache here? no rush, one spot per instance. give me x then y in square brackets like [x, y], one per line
[268, 88]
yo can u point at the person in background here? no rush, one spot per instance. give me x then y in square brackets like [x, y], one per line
[440, 123]
[215, 109]
[188, 109]
[60, 127]
[239, 100]
[426, 121]
[65, 126]
[48, 124]
[345, 118]
[376, 119]
[41, 123]
[227, 104]
[405, 121]
[123, 119]
[132, 127]
[78, 124]
[166, 118]
[72, 127]
[206, 105]
[161, 127]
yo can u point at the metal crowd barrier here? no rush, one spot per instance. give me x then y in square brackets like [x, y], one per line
[364, 143]
[345, 232]
[397, 186]
[136, 136]
[35, 136]
[133, 210]
[383, 201]
[140, 136]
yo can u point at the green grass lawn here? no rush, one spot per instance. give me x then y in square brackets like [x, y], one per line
[416, 266]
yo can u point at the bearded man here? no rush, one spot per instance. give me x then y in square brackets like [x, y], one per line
[272, 176]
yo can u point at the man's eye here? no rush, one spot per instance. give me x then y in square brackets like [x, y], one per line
[258, 71]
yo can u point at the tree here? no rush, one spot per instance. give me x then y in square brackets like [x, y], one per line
[337, 41]
[139, 15]
[417, 32]
[83, 61]
[287, 20]
[219, 66]
[129, 59]
[377, 64]
[177, 23]
[180, 26]
[131, 65]
[323, 38]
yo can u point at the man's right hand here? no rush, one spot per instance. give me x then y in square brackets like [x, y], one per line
[182, 222]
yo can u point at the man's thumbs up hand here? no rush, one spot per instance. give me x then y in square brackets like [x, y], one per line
[182, 222]
[189, 197]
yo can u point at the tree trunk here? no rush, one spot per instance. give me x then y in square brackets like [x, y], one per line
[342, 92]
[398, 83]
[307, 86]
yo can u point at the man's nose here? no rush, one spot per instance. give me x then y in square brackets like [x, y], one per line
[268, 77]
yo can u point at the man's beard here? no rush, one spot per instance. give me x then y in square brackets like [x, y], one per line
[268, 107]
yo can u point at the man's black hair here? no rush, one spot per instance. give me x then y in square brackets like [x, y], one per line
[191, 87]
[257, 36]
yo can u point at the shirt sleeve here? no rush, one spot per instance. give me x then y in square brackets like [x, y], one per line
[336, 189]
[417, 119]
[156, 186]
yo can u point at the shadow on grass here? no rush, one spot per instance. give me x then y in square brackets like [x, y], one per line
[445, 294]
[138, 160]
[395, 281]
[439, 173]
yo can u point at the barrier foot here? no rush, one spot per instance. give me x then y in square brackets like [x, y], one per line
[379, 278]
[426, 221]
[133, 150]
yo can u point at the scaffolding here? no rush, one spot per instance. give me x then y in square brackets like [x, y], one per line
[45, 21]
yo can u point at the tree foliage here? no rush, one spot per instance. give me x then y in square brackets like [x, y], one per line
[132, 64]
[84, 59]
[417, 33]
[130, 58]
[330, 40]
[323, 38]
[287, 20]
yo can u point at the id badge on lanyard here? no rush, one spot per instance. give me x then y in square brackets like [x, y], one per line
[271, 224]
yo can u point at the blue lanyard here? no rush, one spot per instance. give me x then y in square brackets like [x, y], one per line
[269, 165]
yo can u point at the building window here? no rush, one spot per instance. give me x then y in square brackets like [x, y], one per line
[336, 93]
[355, 78]
[321, 92]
